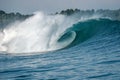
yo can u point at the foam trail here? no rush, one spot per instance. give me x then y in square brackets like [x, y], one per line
[36, 34]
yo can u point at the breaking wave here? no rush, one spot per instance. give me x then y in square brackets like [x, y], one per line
[41, 33]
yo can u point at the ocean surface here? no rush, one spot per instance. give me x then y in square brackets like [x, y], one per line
[61, 49]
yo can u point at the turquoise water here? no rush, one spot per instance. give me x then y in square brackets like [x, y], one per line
[93, 55]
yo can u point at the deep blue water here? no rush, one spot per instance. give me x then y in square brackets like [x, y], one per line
[96, 57]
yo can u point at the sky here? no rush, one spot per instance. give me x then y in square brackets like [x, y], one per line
[52, 6]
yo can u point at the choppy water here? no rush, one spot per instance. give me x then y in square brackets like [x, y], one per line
[93, 54]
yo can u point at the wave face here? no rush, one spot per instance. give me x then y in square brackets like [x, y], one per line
[91, 28]
[41, 33]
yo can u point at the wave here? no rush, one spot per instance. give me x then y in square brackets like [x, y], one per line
[41, 33]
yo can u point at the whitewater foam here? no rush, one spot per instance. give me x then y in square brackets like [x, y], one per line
[36, 34]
